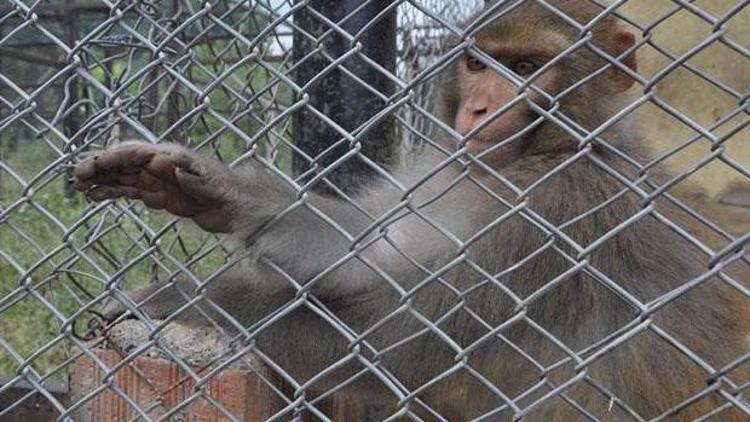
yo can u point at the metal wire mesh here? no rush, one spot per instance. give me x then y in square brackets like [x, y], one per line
[219, 78]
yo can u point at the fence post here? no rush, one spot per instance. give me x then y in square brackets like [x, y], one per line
[342, 98]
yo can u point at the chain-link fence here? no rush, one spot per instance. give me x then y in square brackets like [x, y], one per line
[405, 240]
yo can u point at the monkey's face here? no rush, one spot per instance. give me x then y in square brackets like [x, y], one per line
[498, 105]
[526, 67]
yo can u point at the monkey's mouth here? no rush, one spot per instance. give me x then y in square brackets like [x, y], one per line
[490, 145]
[478, 145]
[487, 143]
[484, 142]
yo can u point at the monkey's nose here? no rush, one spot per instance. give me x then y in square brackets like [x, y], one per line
[479, 112]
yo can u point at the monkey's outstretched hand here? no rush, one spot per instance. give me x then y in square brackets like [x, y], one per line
[167, 177]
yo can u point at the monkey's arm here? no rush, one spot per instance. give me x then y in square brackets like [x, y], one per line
[171, 177]
[305, 241]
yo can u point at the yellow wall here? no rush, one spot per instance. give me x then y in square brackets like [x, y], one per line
[698, 99]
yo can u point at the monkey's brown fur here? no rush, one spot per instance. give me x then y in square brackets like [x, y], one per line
[415, 272]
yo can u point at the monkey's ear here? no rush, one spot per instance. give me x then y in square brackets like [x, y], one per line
[620, 81]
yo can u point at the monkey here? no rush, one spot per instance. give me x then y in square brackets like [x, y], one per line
[520, 272]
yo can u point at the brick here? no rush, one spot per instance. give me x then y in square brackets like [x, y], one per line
[157, 385]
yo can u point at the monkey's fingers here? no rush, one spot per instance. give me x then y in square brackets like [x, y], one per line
[115, 159]
[142, 167]
[169, 198]
[107, 167]
[145, 166]
[101, 193]
[162, 177]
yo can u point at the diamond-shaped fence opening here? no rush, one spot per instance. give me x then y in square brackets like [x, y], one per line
[374, 210]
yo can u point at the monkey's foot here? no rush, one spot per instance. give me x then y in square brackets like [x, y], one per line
[166, 177]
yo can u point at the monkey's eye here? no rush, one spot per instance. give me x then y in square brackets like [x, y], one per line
[525, 67]
[474, 64]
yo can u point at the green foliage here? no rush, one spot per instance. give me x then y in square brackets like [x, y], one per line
[58, 253]
[46, 277]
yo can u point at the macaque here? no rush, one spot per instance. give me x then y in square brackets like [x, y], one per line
[516, 272]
